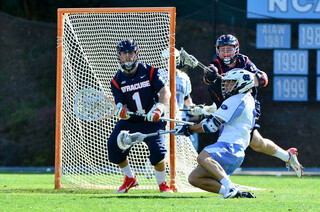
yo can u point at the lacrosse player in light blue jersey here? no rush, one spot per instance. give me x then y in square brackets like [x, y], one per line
[235, 118]
[227, 58]
[183, 92]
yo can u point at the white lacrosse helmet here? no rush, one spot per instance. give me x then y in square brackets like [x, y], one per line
[165, 56]
[236, 81]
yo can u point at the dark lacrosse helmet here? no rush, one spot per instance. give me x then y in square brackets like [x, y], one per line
[227, 55]
[129, 61]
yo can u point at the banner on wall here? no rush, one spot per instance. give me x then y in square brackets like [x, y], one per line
[285, 9]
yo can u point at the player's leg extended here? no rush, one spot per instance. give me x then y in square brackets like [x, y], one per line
[266, 146]
[260, 144]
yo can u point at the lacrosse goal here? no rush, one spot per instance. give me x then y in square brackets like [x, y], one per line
[86, 58]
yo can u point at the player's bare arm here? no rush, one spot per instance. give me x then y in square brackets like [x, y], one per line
[165, 95]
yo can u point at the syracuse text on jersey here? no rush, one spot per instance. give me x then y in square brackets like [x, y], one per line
[135, 86]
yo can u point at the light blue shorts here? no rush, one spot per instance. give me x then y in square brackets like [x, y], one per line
[229, 156]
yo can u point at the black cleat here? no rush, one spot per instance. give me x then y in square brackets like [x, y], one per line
[244, 194]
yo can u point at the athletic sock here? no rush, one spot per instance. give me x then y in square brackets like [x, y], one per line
[226, 182]
[282, 154]
[127, 171]
[160, 176]
[222, 190]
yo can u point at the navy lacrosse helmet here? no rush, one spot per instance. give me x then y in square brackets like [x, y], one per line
[227, 40]
[128, 62]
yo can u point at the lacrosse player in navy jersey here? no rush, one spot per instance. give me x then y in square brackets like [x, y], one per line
[227, 58]
[235, 118]
[138, 87]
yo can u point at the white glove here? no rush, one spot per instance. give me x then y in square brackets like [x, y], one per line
[121, 112]
[182, 130]
[210, 109]
[155, 112]
[196, 110]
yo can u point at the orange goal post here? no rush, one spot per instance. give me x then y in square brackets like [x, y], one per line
[86, 58]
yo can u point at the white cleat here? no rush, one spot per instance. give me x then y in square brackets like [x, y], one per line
[293, 162]
[231, 193]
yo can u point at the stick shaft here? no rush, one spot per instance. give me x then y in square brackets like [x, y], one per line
[159, 133]
[206, 68]
[161, 118]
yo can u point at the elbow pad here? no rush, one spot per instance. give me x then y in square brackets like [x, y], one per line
[262, 78]
[211, 124]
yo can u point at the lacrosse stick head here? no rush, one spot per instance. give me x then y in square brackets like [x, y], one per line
[125, 140]
[188, 59]
[92, 105]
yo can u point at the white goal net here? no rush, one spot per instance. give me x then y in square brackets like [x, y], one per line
[87, 40]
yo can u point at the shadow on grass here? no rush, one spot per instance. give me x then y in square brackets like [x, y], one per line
[107, 194]
[145, 196]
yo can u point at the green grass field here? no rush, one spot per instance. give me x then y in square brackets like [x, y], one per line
[35, 192]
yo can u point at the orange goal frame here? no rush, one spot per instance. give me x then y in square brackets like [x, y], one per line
[60, 14]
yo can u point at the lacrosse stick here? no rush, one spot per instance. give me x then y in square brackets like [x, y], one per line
[191, 61]
[92, 105]
[125, 140]
[206, 110]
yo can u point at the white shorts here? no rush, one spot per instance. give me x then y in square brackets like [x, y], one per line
[229, 156]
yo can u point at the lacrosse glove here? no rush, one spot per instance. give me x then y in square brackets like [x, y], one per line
[155, 112]
[196, 110]
[182, 130]
[121, 112]
[210, 76]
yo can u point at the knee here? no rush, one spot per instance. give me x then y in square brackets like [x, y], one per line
[205, 160]
[201, 160]
[192, 179]
[156, 158]
[257, 143]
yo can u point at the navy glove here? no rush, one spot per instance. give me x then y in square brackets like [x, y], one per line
[182, 130]
[210, 76]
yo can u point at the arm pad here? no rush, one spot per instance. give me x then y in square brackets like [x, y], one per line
[211, 124]
[262, 78]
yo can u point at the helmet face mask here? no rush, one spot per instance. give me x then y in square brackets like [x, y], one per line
[165, 57]
[127, 54]
[236, 81]
[128, 59]
[227, 48]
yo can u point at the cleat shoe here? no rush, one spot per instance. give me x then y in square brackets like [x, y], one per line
[127, 184]
[164, 188]
[293, 162]
[232, 193]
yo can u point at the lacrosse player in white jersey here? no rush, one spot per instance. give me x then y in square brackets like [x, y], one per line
[235, 119]
[183, 91]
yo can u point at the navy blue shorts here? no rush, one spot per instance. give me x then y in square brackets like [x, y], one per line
[156, 144]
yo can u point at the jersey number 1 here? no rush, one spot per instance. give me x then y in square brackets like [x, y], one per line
[137, 99]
